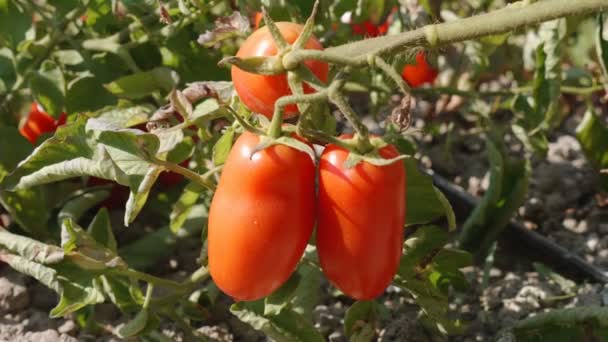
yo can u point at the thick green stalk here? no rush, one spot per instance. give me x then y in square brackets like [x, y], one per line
[512, 17]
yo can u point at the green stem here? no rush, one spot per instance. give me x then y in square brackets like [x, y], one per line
[150, 279]
[392, 73]
[274, 131]
[362, 136]
[500, 21]
[246, 125]
[326, 138]
[193, 176]
[148, 298]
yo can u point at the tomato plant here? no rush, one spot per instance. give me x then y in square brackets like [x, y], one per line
[167, 117]
[260, 92]
[271, 200]
[359, 239]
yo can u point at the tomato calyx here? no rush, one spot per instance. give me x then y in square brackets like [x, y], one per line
[372, 156]
[293, 142]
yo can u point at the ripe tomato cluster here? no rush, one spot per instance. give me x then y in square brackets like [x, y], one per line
[265, 207]
[39, 122]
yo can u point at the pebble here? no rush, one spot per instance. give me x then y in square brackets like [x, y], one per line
[13, 292]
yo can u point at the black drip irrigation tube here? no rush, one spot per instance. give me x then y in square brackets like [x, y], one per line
[535, 245]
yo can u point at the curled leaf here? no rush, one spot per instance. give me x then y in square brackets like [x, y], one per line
[228, 27]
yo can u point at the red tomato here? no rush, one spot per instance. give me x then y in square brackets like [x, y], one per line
[420, 73]
[39, 122]
[368, 29]
[260, 92]
[257, 20]
[360, 222]
[260, 219]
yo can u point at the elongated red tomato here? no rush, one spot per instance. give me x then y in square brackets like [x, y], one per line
[260, 92]
[360, 222]
[39, 122]
[261, 217]
[420, 73]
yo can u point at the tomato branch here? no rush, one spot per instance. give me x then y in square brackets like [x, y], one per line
[500, 21]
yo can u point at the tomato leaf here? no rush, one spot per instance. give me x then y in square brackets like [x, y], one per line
[287, 325]
[138, 197]
[143, 83]
[29, 208]
[307, 293]
[48, 88]
[508, 188]
[181, 103]
[78, 205]
[222, 147]
[156, 246]
[125, 116]
[425, 203]
[134, 326]
[86, 94]
[182, 207]
[30, 249]
[70, 153]
[101, 230]
[593, 136]
[14, 23]
[358, 316]
[279, 299]
[601, 45]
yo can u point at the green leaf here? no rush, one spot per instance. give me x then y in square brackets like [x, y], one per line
[87, 94]
[359, 315]
[100, 229]
[143, 83]
[181, 104]
[83, 250]
[70, 153]
[46, 275]
[279, 299]
[424, 202]
[420, 248]
[31, 249]
[183, 206]
[508, 187]
[74, 296]
[29, 208]
[123, 292]
[222, 147]
[14, 24]
[134, 326]
[126, 116]
[48, 88]
[592, 133]
[138, 198]
[306, 294]
[601, 46]
[77, 206]
[68, 57]
[157, 246]
[287, 325]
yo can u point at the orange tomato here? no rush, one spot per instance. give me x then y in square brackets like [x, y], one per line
[420, 73]
[261, 217]
[360, 222]
[260, 92]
